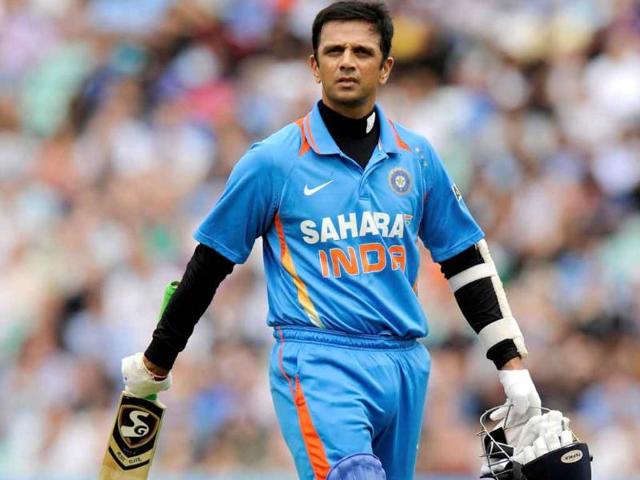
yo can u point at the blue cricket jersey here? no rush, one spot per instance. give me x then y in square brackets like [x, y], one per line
[340, 242]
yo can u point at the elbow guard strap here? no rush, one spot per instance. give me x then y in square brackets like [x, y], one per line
[503, 329]
[463, 278]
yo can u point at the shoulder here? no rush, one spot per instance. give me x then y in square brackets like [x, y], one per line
[277, 151]
[431, 166]
[419, 145]
[285, 142]
[417, 142]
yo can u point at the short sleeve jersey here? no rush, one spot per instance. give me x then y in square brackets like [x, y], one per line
[340, 242]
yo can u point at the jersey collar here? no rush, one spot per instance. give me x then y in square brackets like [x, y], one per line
[322, 143]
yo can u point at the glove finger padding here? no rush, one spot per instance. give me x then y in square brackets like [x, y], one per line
[551, 422]
[529, 432]
[500, 413]
[525, 456]
[553, 441]
[566, 438]
[549, 431]
[540, 447]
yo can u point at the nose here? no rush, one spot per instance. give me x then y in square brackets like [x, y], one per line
[347, 61]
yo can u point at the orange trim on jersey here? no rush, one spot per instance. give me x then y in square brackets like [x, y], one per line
[401, 143]
[287, 263]
[307, 127]
[304, 143]
[310, 437]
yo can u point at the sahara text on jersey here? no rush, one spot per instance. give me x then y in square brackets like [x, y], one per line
[366, 257]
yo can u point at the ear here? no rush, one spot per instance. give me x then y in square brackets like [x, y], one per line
[385, 70]
[315, 68]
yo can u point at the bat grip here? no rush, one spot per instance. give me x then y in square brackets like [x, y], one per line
[169, 290]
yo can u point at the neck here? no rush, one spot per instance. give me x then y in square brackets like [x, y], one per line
[341, 126]
[350, 111]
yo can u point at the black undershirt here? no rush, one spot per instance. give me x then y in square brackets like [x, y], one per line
[351, 135]
[205, 271]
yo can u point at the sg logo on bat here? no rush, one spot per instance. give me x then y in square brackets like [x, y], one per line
[137, 425]
[132, 443]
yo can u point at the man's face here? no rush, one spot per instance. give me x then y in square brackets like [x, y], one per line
[349, 64]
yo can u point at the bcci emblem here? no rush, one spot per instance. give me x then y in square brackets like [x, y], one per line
[400, 181]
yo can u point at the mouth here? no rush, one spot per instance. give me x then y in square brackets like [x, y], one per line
[347, 81]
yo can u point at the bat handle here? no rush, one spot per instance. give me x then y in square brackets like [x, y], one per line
[169, 290]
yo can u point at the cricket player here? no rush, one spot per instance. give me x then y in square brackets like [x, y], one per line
[341, 198]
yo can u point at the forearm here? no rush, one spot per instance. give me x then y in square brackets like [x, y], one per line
[515, 363]
[481, 298]
[204, 273]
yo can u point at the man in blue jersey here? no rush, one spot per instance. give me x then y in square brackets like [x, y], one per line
[340, 198]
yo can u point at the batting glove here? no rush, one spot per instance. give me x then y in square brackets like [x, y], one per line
[523, 402]
[521, 393]
[138, 380]
[543, 434]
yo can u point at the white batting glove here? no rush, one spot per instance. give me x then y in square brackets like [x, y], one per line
[550, 422]
[544, 434]
[521, 394]
[493, 470]
[138, 380]
[523, 402]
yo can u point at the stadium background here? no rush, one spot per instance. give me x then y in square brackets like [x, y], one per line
[119, 123]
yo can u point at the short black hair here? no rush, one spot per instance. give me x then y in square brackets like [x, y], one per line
[375, 13]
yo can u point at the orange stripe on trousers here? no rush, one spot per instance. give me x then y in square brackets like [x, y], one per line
[312, 442]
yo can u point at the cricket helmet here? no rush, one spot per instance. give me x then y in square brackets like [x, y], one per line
[569, 461]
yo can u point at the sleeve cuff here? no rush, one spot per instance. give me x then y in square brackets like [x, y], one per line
[502, 352]
[161, 354]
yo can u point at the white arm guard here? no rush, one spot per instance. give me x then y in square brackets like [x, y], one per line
[504, 328]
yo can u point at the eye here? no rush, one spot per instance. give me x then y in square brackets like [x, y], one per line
[334, 51]
[363, 52]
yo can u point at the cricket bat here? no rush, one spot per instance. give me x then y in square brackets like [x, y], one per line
[132, 443]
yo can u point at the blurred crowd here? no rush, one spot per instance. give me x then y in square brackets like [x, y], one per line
[120, 122]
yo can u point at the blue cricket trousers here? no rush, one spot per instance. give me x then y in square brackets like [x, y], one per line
[337, 394]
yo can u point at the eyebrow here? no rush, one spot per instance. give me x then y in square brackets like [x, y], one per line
[341, 46]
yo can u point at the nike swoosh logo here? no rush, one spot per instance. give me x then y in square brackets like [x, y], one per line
[310, 191]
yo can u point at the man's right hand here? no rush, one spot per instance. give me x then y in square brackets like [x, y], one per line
[139, 380]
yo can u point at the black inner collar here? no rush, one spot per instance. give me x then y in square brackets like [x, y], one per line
[341, 126]
[351, 134]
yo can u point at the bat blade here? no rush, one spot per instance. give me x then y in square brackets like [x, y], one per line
[133, 439]
[132, 443]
